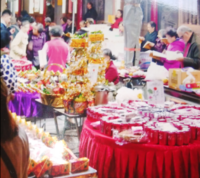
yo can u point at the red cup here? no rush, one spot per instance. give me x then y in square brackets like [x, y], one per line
[186, 136]
[102, 125]
[194, 132]
[198, 133]
[171, 138]
[154, 133]
[180, 138]
[162, 138]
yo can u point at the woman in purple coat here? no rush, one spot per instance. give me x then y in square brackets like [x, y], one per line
[176, 45]
[37, 39]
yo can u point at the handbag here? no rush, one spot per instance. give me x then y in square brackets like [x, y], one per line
[8, 163]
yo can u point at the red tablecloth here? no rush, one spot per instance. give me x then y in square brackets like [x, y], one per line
[138, 160]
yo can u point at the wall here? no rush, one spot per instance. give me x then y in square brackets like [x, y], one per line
[3, 5]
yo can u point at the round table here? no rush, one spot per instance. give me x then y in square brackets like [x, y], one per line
[138, 160]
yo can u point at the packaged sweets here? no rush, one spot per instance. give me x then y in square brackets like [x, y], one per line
[79, 165]
[61, 169]
[44, 165]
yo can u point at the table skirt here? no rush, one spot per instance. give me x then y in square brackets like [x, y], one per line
[138, 160]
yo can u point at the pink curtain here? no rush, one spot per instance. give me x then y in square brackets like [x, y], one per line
[70, 6]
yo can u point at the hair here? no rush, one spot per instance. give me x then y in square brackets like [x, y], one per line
[90, 21]
[153, 24]
[183, 29]
[40, 27]
[172, 33]
[6, 12]
[92, 5]
[24, 13]
[64, 19]
[25, 22]
[5, 38]
[48, 19]
[19, 19]
[83, 21]
[32, 20]
[56, 31]
[162, 32]
[9, 128]
[122, 13]
[108, 52]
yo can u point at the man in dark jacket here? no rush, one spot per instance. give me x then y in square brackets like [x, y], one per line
[151, 35]
[50, 10]
[192, 49]
[91, 12]
[47, 24]
[5, 21]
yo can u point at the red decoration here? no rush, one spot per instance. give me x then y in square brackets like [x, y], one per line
[155, 88]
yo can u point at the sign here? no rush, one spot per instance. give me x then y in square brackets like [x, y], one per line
[155, 92]
[59, 2]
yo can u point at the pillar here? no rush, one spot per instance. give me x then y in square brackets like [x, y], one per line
[154, 12]
[19, 8]
[57, 12]
[44, 11]
[79, 13]
[3, 5]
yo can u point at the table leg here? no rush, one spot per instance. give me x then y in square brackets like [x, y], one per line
[77, 128]
[56, 123]
[64, 129]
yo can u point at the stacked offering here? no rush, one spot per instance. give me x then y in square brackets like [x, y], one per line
[78, 93]
[95, 56]
[170, 125]
[48, 155]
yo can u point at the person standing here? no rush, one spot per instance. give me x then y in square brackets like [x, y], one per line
[6, 20]
[68, 28]
[37, 39]
[50, 10]
[91, 12]
[19, 44]
[57, 50]
[192, 49]
[47, 25]
[63, 22]
[14, 141]
[151, 35]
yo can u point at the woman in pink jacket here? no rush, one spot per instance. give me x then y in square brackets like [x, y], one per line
[176, 45]
[111, 71]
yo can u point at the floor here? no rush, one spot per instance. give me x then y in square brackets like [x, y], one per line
[70, 135]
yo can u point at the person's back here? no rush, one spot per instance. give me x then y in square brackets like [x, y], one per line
[18, 152]
[14, 142]
[58, 52]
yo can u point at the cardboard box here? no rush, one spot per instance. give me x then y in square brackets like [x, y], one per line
[176, 77]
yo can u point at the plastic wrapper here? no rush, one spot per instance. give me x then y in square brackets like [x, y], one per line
[133, 135]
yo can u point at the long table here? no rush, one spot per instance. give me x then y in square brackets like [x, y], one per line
[189, 98]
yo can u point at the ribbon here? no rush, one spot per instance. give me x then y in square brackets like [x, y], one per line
[132, 49]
